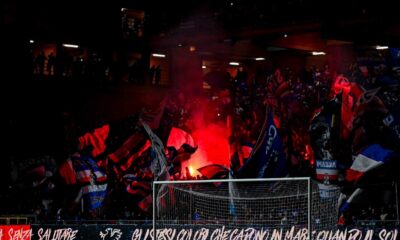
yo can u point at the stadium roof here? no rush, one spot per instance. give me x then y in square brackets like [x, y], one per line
[364, 22]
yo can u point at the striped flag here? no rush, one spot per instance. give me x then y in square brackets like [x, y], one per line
[133, 148]
[94, 195]
[370, 158]
[327, 170]
[139, 188]
[133, 144]
[83, 171]
[86, 170]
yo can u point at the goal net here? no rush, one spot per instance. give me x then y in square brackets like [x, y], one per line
[243, 203]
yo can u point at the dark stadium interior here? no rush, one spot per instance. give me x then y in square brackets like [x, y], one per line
[70, 67]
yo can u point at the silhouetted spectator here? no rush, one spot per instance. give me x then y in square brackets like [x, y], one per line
[157, 75]
[152, 73]
[50, 63]
[41, 58]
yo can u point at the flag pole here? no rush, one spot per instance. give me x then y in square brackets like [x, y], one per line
[397, 200]
[154, 210]
[261, 135]
[231, 190]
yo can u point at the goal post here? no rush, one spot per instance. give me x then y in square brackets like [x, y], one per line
[269, 203]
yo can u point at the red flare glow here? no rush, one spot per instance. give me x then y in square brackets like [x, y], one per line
[213, 148]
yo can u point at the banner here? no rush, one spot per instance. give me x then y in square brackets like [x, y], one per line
[327, 170]
[188, 232]
[17, 232]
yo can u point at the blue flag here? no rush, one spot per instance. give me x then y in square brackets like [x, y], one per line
[268, 159]
[94, 195]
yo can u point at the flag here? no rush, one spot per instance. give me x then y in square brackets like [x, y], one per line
[160, 170]
[86, 170]
[268, 158]
[351, 99]
[38, 171]
[369, 100]
[339, 84]
[92, 179]
[146, 202]
[233, 193]
[180, 147]
[133, 148]
[96, 139]
[67, 172]
[214, 171]
[134, 143]
[232, 208]
[37, 168]
[236, 159]
[370, 158]
[178, 137]
[81, 170]
[137, 152]
[345, 202]
[327, 170]
[94, 195]
[78, 169]
[139, 188]
[246, 150]
[159, 161]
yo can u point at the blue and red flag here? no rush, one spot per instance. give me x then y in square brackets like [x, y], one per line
[268, 159]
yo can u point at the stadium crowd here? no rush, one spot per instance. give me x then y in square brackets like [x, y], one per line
[311, 109]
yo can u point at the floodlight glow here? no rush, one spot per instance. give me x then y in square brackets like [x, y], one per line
[382, 47]
[159, 55]
[70, 45]
[318, 53]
